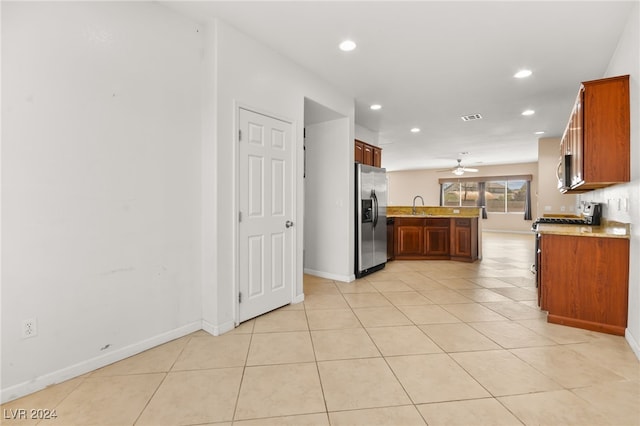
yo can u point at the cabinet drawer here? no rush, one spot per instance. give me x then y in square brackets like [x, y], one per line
[464, 223]
[437, 222]
[409, 221]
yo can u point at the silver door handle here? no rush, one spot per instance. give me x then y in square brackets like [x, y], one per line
[288, 224]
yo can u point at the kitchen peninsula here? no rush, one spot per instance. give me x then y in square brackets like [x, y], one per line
[434, 233]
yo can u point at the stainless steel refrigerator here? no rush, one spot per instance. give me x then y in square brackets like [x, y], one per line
[371, 219]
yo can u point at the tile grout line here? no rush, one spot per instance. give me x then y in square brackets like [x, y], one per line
[315, 357]
[166, 374]
[244, 369]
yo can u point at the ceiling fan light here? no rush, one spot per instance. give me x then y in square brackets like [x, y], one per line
[347, 45]
[523, 74]
[458, 172]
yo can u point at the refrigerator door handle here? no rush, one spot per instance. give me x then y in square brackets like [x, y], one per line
[375, 208]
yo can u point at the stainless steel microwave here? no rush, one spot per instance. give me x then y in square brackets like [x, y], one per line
[563, 173]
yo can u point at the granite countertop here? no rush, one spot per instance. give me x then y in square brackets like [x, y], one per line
[606, 230]
[428, 215]
[431, 212]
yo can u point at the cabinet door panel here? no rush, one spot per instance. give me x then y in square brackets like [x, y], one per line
[359, 152]
[584, 281]
[409, 240]
[462, 238]
[377, 157]
[367, 156]
[436, 241]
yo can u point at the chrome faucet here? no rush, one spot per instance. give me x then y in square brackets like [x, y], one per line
[413, 211]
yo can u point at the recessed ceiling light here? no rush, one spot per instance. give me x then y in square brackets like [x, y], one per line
[347, 46]
[528, 112]
[415, 130]
[523, 74]
[539, 133]
[375, 107]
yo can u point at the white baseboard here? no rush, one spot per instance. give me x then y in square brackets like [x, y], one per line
[330, 276]
[59, 376]
[633, 343]
[298, 299]
[217, 330]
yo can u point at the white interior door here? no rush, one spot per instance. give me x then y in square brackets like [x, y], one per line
[266, 231]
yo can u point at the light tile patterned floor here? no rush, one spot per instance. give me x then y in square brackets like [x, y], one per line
[437, 343]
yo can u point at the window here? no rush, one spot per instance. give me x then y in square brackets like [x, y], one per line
[498, 194]
[505, 196]
[457, 194]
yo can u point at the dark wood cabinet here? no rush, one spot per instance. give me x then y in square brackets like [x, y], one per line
[377, 156]
[464, 238]
[367, 154]
[597, 138]
[436, 238]
[409, 238]
[359, 152]
[584, 281]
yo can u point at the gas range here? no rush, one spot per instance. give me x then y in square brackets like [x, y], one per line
[591, 217]
[563, 220]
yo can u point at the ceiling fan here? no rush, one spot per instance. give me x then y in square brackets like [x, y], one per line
[459, 169]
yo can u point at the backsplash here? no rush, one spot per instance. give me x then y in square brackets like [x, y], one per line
[617, 201]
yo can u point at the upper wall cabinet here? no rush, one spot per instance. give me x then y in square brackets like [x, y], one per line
[595, 148]
[367, 154]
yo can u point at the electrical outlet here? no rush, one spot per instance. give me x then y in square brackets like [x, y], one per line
[29, 328]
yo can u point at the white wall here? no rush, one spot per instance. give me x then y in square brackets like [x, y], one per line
[549, 199]
[626, 60]
[100, 185]
[405, 185]
[248, 73]
[365, 135]
[326, 222]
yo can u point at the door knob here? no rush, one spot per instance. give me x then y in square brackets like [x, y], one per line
[288, 224]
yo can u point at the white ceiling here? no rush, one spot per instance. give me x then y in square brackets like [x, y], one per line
[428, 63]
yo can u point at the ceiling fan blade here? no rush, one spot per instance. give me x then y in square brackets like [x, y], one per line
[466, 169]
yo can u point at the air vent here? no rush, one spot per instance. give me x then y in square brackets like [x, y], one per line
[471, 117]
